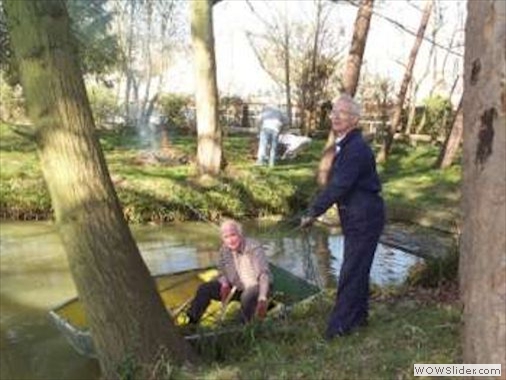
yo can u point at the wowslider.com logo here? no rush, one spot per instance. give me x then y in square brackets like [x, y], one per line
[457, 370]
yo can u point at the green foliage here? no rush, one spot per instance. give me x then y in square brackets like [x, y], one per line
[128, 369]
[438, 116]
[90, 20]
[12, 101]
[436, 271]
[98, 48]
[7, 66]
[120, 136]
[176, 110]
[103, 103]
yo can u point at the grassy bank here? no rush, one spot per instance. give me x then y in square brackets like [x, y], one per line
[159, 186]
[407, 326]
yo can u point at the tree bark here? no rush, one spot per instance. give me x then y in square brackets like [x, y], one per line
[397, 114]
[483, 261]
[358, 43]
[127, 318]
[209, 134]
[287, 67]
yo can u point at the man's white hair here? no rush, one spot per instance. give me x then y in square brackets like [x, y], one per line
[231, 224]
[353, 105]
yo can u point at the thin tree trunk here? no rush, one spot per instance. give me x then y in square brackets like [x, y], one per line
[288, 88]
[397, 114]
[412, 109]
[209, 134]
[358, 43]
[313, 75]
[127, 318]
[482, 261]
[452, 141]
[128, 70]
[143, 117]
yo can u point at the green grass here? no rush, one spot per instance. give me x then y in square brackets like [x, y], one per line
[409, 177]
[165, 193]
[403, 330]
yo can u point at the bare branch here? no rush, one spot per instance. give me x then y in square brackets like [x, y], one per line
[403, 28]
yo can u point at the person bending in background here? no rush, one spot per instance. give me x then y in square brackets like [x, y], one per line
[271, 121]
[242, 266]
[355, 187]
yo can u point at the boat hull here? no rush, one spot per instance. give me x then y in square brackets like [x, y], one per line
[176, 291]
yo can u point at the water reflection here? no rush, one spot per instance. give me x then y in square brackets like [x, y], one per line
[34, 277]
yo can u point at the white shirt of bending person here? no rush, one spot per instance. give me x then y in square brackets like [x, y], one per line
[272, 118]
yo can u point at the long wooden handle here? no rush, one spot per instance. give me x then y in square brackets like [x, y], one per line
[225, 303]
[178, 310]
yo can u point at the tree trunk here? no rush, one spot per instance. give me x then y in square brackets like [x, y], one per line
[127, 318]
[288, 89]
[209, 146]
[452, 141]
[483, 264]
[127, 65]
[397, 114]
[351, 78]
[358, 43]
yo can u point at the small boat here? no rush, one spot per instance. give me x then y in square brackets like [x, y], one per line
[177, 291]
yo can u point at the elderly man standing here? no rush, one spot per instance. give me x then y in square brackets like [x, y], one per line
[355, 187]
[243, 267]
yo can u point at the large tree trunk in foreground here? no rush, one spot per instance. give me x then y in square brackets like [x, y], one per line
[209, 147]
[127, 318]
[483, 261]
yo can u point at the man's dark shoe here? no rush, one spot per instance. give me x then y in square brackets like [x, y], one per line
[331, 334]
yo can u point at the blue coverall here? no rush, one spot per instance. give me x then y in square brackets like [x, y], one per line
[355, 187]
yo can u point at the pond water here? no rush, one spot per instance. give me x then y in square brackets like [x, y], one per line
[34, 277]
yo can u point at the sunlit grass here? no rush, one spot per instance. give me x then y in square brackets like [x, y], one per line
[158, 192]
[400, 334]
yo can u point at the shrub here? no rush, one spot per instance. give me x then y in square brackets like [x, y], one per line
[177, 111]
[103, 104]
[12, 101]
[436, 271]
[438, 116]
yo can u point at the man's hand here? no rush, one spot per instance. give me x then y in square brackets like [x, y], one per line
[306, 221]
[224, 291]
[261, 310]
